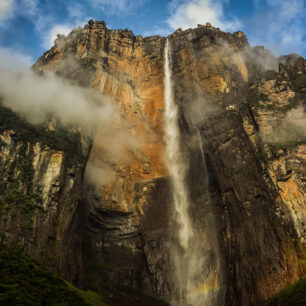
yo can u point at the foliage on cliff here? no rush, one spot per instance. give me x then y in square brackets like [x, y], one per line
[60, 139]
[23, 281]
[293, 295]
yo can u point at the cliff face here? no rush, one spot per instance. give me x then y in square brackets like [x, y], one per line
[258, 207]
[41, 190]
[246, 176]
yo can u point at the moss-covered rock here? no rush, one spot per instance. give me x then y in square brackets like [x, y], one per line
[293, 295]
[59, 139]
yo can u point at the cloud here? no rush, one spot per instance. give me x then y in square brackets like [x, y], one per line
[6, 10]
[97, 171]
[297, 116]
[63, 29]
[157, 30]
[28, 8]
[40, 97]
[76, 10]
[279, 25]
[292, 129]
[117, 7]
[15, 61]
[43, 18]
[50, 36]
[187, 14]
[36, 97]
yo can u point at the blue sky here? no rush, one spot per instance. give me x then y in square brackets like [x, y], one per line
[29, 27]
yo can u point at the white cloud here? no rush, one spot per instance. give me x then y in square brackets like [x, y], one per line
[280, 25]
[113, 7]
[6, 9]
[49, 38]
[157, 30]
[41, 97]
[14, 61]
[28, 8]
[187, 14]
[11, 8]
[76, 10]
[63, 29]
[44, 21]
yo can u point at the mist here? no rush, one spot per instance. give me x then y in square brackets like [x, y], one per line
[39, 98]
[292, 128]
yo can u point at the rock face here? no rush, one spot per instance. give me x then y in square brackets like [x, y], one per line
[246, 176]
[41, 192]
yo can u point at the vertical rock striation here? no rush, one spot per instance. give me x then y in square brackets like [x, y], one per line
[41, 194]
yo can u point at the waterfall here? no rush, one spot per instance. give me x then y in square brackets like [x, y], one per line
[177, 171]
[174, 159]
[193, 254]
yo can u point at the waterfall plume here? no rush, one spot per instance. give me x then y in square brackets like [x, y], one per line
[174, 160]
[196, 274]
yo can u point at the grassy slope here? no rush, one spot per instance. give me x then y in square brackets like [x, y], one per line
[23, 281]
[293, 295]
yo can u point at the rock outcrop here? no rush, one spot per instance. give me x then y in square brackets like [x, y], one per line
[41, 194]
[246, 175]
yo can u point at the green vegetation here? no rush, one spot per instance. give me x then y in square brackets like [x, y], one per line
[262, 97]
[25, 167]
[23, 281]
[94, 276]
[16, 180]
[298, 81]
[17, 193]
[60, 139]
[270, 75]
[293, 295]
[28, 204]
[288, 144]
[262, 155]
[303, 260]
[254, 97]
[114, 294]
[26, 175]
[231, 115]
